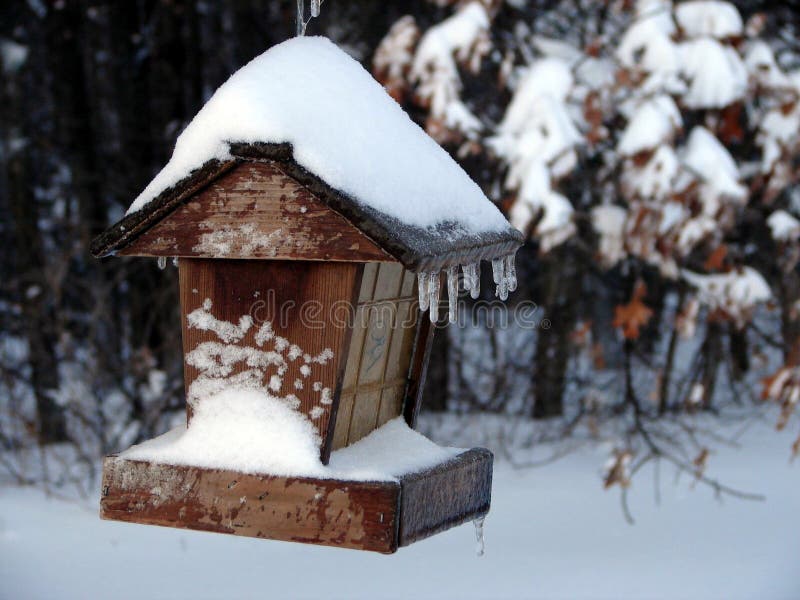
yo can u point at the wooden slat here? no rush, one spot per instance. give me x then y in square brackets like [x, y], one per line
[256, 211]
[360, 515]
[277, 291]
[445, 496]
[423, 342]
[375, 353]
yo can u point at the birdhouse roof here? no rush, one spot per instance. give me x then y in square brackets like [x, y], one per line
[307, 106]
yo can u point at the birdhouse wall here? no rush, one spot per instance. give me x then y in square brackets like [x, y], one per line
[281, 324]
[256, 211]
[377, 374]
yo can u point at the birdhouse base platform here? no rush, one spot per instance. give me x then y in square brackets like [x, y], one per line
[367, 515]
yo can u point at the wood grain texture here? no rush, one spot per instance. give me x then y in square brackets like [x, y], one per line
[308, 303]
[360, 515]
[256, 211]
[375, 516]
[455, 492]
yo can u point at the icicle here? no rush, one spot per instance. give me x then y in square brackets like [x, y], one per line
[475, 291]
[480, 547]
[175, 261]
[497, 269]
[315, 7]
[452, 292]
[162, 262]
[433, 295]
[472, 279]
[511, 272]
[498, 275]
[502, 289]
[422, 288]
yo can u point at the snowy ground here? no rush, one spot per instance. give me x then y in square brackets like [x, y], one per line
[552, 533]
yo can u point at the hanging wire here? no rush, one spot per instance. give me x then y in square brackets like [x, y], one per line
[302, 22]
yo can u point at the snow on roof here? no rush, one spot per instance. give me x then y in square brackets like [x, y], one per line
[343, 128]
[716, 73]
[705, 156]
[250, 431]
[783, 226]
[709, 18]
[653, 122]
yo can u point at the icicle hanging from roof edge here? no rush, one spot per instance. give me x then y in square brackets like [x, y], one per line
[499, 277]
[423, 279]
[433, 295]
[472, 279]
[504, 273]
[511, 272]
[452, 293]
[315, 4]
[162, 262]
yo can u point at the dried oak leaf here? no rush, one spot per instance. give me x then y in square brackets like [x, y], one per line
[633, 316]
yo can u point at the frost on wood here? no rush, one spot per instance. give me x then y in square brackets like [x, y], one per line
[265, 365]
[343, 128]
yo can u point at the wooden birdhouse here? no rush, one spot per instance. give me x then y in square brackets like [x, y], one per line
[311, 220]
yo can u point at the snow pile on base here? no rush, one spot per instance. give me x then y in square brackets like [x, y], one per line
[253, 432]
[243, 429]
[343, 127]
[392, 450]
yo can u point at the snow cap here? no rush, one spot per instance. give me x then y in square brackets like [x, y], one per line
[339, 126]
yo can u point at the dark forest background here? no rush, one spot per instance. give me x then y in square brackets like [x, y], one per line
[92, 97]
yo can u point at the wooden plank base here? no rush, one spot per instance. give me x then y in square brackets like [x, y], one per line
[364, 515]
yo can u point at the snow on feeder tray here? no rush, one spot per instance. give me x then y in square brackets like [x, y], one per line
[301, 201]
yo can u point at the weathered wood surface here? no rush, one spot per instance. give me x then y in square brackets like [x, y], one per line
[455, 492]
[309, 304]
[376, 516]
[359, 515]
[377, 370]
[256, 211]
